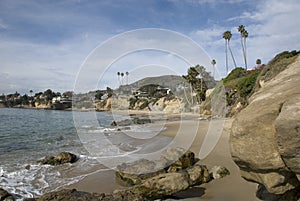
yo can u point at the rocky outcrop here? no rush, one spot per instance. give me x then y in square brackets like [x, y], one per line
[176, 170]
[265, 136]
[61, 158]
[5, 196]
[103, 105]
[172, 160]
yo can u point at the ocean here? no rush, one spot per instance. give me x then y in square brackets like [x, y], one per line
[28, 135]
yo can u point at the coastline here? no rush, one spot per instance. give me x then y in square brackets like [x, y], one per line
[232, 187]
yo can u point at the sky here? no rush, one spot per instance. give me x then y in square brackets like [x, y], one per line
[82, 44]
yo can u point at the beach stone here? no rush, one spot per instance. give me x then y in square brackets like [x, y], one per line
[5, 196]
[61, 158]
[265, 136]
[218, 172]
[176, 159]
[198, 174]
[114, 123]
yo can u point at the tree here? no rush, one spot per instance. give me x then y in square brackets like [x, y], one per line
[118, 73]
[197, 83]
[213, 62]
[127, 73]
[258, 62]
[31, 91]
[244, 35]
[227, 36]
[122, 75]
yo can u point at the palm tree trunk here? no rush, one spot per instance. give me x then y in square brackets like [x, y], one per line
[245, 54]
[226, 52]
[231, 55]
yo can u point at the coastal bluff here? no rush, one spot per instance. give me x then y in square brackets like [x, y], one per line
[265, 137]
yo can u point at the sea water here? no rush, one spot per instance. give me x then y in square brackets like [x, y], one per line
[28, 135]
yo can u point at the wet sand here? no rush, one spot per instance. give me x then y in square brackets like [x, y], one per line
[230, 188]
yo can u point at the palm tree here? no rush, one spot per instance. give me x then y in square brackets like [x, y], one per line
[127, 77]
[244, 36]
[122, 75]
[118, 73]
[213, 62]
[227, 36]
[258, 62]
[226, 50]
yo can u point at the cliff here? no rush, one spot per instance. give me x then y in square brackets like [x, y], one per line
[265, 136]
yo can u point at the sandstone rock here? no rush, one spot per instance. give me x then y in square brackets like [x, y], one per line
[167, 184]
[61, 158]
[177, 159]
[130, 174]
[218, 172]
[172, 160]
[265, 136]
[5, 196]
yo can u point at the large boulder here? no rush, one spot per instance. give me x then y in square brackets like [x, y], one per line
[61, 158]
[265, 136]
[166, 184]
[172, 160]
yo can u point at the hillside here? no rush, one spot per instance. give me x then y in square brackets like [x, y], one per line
[170, 81]
[240, 84]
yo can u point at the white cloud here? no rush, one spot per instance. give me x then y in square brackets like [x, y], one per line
[273, 27]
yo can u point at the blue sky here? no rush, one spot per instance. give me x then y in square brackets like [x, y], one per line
[44, 44]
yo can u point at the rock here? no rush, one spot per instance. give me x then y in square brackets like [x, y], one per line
[163, 185]
[265, 139]
[130, 174]
[218, 172]
[167, 184]
[126, 122]
[69, 194]
[114, 123]
[198, 174]
[5, 196]
[172, 160]
[61, 158]
[177, 159]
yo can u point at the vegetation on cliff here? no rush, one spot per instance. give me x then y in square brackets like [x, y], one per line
[241, 83]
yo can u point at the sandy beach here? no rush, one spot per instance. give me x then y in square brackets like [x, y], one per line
[230, 188]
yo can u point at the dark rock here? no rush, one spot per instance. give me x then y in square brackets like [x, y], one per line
[114, 123]
[126, 122]
[61, 158]
[27, 167]
[5, 196]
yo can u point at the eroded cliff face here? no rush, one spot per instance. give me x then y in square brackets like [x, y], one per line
[265, 136]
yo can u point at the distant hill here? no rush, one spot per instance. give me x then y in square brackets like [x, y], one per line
[170, 81]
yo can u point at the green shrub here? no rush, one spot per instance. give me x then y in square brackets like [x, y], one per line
[234, 74]
[246, 84]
